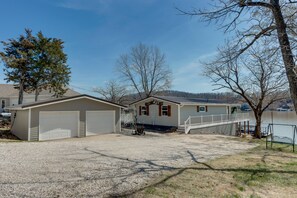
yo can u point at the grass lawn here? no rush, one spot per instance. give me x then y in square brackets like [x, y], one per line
[255, 173]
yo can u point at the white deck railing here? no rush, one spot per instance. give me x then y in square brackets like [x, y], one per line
[211, 120]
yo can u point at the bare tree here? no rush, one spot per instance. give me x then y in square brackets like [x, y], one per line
[253, 20]
[257, 77]
[145, 68]
[113, 92]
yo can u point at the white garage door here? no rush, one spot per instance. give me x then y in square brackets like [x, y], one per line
[99, 122]
[58, 124]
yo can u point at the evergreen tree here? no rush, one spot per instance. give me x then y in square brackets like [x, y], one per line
[36, 63]
[49, 69]
[17, 57]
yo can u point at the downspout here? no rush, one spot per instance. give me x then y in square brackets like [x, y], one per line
[14, 116]
[178, 114]
[120, 120]
[29, 125]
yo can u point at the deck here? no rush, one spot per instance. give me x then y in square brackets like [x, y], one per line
[197, 122]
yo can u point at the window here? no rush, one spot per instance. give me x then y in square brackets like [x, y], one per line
[2, 104]
[165, 110]
[201, 109]
[143, 110]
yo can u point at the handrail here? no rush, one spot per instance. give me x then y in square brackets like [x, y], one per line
[211, 119]
[186, 125]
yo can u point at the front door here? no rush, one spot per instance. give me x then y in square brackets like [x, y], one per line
[155, 113]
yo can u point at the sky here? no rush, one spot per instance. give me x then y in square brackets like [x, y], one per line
[97, 32]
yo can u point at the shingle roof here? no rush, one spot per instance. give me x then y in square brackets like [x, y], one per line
[182, 100]
[8, 90]
[187, 101]
[64, 99]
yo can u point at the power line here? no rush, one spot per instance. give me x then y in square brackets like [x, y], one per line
[81, 88]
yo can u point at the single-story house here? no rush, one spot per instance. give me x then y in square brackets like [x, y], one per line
[174, 111]
[9, 95]
[75, 116]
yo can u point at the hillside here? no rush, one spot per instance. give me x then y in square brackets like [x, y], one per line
[229, 97]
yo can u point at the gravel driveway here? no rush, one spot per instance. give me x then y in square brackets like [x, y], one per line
[101, 166]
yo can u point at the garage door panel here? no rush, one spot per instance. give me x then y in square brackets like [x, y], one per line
[56, 133]
[58, 124]
[100, 122]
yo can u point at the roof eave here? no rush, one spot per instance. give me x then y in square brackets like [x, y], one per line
[14, 109]
[31, 106]
[155, 97]
[205, 103]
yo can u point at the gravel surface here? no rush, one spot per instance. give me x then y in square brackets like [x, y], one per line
[102, 166]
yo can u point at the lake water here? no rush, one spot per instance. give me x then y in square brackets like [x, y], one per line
[278, 117]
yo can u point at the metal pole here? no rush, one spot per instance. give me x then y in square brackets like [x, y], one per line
[272, 129]
[294, 138]
[244, 124]
[248, 126]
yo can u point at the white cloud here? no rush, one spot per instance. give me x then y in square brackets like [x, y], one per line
[99, 6]
[87, 5]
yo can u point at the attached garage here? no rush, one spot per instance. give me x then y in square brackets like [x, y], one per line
[76, 116]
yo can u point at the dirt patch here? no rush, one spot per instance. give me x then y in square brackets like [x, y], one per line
[256, 173]
[6, 135]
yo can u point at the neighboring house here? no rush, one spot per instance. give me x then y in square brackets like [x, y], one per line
[75, 116]
[174, 111]
[9, 96]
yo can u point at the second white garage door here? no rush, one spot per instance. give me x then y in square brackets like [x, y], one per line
[99, 122]
[58, 124]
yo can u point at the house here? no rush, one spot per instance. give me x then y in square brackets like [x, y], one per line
[74, 116]
[9, 95]
[174, 111]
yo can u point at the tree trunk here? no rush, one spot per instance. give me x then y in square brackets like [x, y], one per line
[36, 94]
[258, 126]
[286, 50]
[21, 92]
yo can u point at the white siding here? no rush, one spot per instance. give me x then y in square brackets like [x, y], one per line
[13, 101]
[191, 110]
[154, 118]
[185, 112]
[20, 124]
[27, 99]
